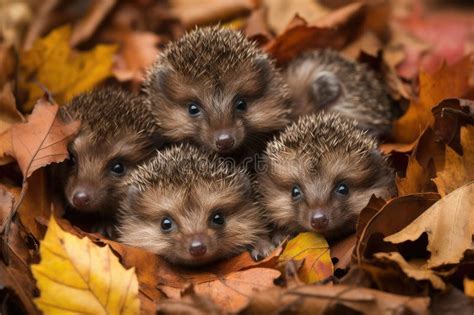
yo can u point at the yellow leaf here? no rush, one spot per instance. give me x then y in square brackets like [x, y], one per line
[65, 73]
[314, 249]
[75, 276]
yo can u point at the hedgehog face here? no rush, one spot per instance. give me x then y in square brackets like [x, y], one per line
[217, 89]
[325, 196]
[96, 170]
[194, 226]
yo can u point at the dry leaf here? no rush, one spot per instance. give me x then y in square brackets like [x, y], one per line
[415, 179]
[51, 64]
[77, 275]
[41, 140]
[447, 82]
[334, 31]
[458, 169]
[469, 287]
[449, 224]
[414, 269]
[314, 250]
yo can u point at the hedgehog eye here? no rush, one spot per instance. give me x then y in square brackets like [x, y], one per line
[166, 224]
[117, 168]
[194, 109]
[296, 192]
[342, 189]
[217, 219]
[241, 105]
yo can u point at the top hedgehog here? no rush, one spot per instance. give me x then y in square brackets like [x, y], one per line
[215, 88]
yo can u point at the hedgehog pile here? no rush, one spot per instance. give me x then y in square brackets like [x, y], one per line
[224, 152]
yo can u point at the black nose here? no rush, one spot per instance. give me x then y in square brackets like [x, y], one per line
[197, 248]
[224, 141]
[81, 199]
[319, 221]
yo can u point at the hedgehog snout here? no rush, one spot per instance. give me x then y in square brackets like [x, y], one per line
[224, 140]
[319, 219]
[197, 245]
[82, 197]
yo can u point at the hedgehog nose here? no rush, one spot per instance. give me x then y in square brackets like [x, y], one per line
[319, 221]
[224, 141]
[197, 248]
[81, 199]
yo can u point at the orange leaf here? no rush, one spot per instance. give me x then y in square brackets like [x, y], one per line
[41, 140]
[447, 82]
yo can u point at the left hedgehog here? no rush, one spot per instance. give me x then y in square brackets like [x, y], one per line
[116, 134]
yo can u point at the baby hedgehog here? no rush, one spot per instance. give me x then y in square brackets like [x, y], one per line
[320, 173]
[192, 208]
[324, 80]
[213, 87]
[116, 133]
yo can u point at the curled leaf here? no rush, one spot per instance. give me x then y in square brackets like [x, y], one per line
[77, 276]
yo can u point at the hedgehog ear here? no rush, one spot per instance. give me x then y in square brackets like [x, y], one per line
[325, 89]
[131, 193]
[161, 79]
[159, 141]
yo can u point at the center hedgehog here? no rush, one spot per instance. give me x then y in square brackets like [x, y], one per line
[215, 88]
[319, 174]
[116, 133]
[192, 207]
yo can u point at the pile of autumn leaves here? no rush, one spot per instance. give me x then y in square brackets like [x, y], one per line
[410, 253]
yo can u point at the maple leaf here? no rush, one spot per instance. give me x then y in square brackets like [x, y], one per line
[447, 82]
[51, 64]
[314, 249]
[75, 275]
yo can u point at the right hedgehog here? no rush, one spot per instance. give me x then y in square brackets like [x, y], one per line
[319, 174]
[325, 80]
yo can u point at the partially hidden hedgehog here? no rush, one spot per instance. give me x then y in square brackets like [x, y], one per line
[117, 132]
[319, 174]
[192, 207]
[325, 80]
[215, 88]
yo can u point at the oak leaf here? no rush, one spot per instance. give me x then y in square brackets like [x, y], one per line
[41, 140]
[447, 82]
[51, 64]
[458, 169]
[449, 224]
[75, 275]
[314, 249]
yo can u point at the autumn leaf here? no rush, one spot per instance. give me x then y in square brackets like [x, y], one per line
[447, 82]
[51, 64]
[449, 224]
[314, 249]
[414, 269]
[75, 275]
[458, 169]
[469, 287]
[41, 140]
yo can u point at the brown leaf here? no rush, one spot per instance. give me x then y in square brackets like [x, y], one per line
[336, 299]
[137, 53]
[447, 82]
[87, 25]
[334, 31]
[189, 303]
[469, 287]
[394, 216]
[41, 140]
[415, 179]
[256, 27]
[342, 250]
[17, 274]
[458, 169]
[414, 269]
[193, 13]
[449, 224]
